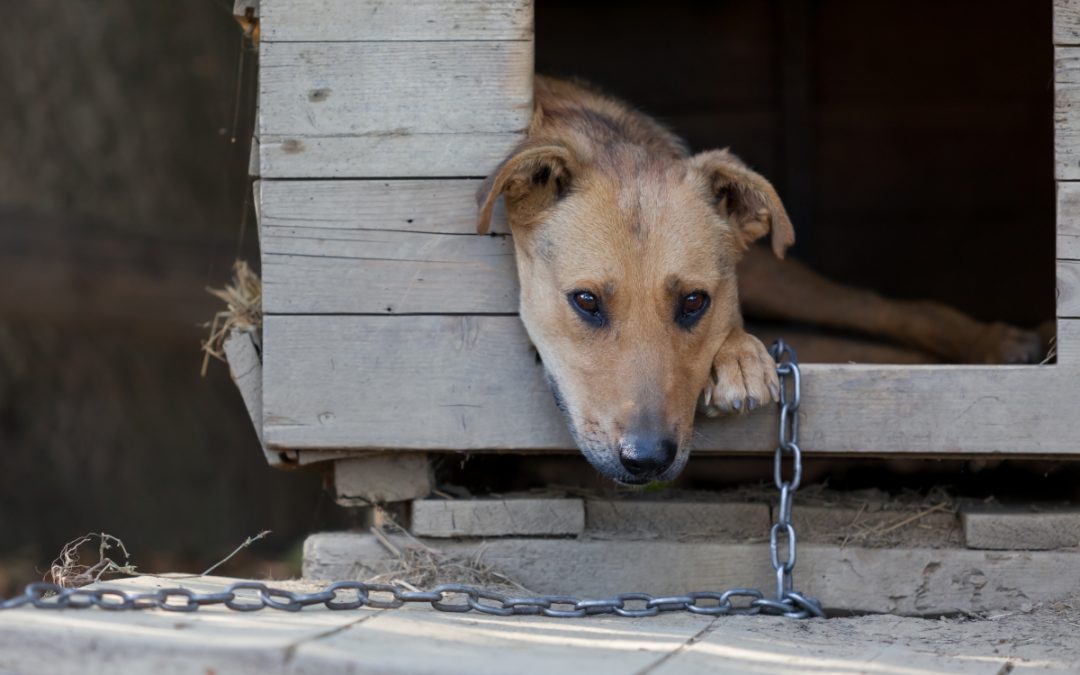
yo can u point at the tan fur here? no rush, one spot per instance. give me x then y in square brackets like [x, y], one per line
[604, 199]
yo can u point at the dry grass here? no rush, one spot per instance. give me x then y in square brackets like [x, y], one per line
[243, 312]
[69, 572]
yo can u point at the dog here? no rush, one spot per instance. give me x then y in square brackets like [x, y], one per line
[636, 260]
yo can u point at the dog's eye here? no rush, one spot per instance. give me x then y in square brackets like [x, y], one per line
[587, 306]
[691, 308]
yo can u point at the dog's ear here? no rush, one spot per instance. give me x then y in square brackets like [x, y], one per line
[745, 199]
[532, 178]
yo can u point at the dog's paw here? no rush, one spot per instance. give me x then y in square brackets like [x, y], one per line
[743, 377]
[1002, 343]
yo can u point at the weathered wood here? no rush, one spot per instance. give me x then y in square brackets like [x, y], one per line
[217, 640]
[1067, 22]
[313, 270]
[1067, 113]
[912, 581]
[245, 366]
[381, 478]
[1068, 220]
[361, 382]
[1031, 528]
[394, 88]
[1068, 288]
[404, 155]
[1067, 342]
[521, 516]
[360, 20]
[662, 519]
[433, 205]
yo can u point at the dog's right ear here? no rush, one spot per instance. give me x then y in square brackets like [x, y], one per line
[532, 179]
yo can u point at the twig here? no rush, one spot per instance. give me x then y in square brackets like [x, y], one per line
[387, 544]
[247, 542]
[911, 519]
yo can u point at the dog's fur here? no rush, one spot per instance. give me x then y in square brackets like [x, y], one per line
[604, 200]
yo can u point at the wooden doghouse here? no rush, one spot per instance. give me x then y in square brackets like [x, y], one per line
[390, 327]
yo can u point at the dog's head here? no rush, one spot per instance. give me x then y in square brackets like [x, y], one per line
[626, 261]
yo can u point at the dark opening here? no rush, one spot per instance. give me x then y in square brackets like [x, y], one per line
[912, 142]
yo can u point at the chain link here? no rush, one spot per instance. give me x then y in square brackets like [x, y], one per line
[251, 596]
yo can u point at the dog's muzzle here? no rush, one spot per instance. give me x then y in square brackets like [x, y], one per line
[647, 458]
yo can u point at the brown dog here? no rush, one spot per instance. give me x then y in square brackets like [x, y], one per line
[626, 250]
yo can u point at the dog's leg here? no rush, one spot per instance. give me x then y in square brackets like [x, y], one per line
[775, 289]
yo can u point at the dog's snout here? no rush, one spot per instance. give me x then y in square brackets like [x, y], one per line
[647, 457]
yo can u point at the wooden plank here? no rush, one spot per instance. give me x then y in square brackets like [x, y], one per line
[433, 205]
[520, 516]
[1067, 342]
[1068, 220]
[245, 366]
[359, 20]
[1068, 288]
[384, 155]
[653, 519]
[394, 88]
[910, 581]
[315, 270]
[381, 478]
[1067, 113]
[1067, 22]
[362, 382]
[1031, 528]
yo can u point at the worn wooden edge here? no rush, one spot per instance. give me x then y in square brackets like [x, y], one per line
[908, 581]
[519, 516]
[245, 367]
[1067, 342]
[416, 20]
[1068, 289]
[477, 386]
[1030, 527]
[382, 477]
[1067, 113]
[653, 519]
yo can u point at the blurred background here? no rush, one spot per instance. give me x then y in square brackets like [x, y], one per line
[917, 134]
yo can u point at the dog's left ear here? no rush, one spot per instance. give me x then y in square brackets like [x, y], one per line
[745, 199]
[532, 178]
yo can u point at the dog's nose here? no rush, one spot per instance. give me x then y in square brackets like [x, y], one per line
[647, 457]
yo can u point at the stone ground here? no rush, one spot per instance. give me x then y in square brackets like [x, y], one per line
[415, 639]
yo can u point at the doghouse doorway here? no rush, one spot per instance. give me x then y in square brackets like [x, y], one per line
[912, 142]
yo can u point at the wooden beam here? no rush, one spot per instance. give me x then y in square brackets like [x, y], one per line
[416, 20]
[1068, 288]
[1067, 113]
[997, 527]
[379, 478]
[1068, 220]
[364, 382]
[1067, 22]
[517, 516]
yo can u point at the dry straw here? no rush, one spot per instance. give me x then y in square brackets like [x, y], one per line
[243, 301]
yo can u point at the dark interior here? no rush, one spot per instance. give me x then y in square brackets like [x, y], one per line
[911, 141]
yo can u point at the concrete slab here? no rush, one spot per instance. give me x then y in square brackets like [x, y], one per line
[417, 639]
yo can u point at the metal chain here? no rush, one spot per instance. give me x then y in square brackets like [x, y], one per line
[250, 596]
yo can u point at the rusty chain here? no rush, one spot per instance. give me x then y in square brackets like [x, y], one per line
[249, 596]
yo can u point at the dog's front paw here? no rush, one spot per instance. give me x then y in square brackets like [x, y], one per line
[743, 377]
[1002, 343]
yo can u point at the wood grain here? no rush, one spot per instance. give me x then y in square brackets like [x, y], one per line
[519, 516]
[1067, 112]
[1067, 22]
[1068, 288]
[364, 382]
[394, 88]
[1068, 220]
[384, 155]
[357, 20]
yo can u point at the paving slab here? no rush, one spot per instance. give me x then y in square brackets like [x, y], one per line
[416, 639]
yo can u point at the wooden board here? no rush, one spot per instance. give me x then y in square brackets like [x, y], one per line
[382, 155]
[394, 88]
[1067, 22]
[913, 581]
[354, 20]
[1068, 288]
[1068, 220]
[519, 516]
[364, 382]
[1067, 112]
[1029, 528]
